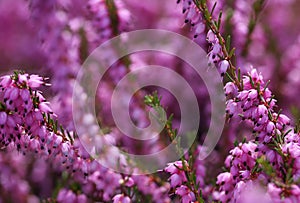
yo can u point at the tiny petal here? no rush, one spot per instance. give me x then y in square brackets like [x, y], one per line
[44, 107]
[5, 81]
[210, 36]
[3, 118]
[199, 28]
[224, 66]
[120, 198]
[35, 81]
[270, 127]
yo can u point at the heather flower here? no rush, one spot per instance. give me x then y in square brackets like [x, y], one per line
[5, 81]
[44, 107]
[186, 195]
[148, 187]
[223, 67]
[177, 173]
[231, 108]
[14, 184]
[198, 29]
[211, 38]
[250, 191]
[68, 196]
[191, 15]
[120, 198]
[34, 81]
[127, 181]
[274, 192]
[292, 148]
[241, 161]
[3, 118]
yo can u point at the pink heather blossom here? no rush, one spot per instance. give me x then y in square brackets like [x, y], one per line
[274, 192]
[35, 81]
[284, 120]
[292, 148]
[177, 175]
[230, 89]
[67, 196]
[128, 181]
[199, 29]
[223, 66]
[224, 178]
[250, 191]
[231, 108]
[3, 118]
[44, 107]
[186, 195]
[120, 198]
[211, 37]
[5, 81]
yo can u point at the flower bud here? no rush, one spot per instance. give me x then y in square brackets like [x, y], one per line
[223, 67]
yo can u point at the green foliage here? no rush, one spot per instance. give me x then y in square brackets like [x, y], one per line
[266, 166]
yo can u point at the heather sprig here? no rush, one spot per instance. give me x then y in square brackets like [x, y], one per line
[250, 99]
[183, 175]
[257, 7]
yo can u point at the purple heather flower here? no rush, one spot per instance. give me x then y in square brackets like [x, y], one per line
[177, 175]
[68, 196]
[223, 66]
[211, 37]
[186, 195]
[3, 118]
[5, 81]
[198, 29]
[120, 198]
[230, 89]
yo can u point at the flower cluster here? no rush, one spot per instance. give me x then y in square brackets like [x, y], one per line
[65, 196]
[27, 125]
[241, 162]
[18, 190]
[177, 173]
[181, 173]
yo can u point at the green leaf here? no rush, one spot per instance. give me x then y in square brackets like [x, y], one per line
[251, 81]
[228, 42]
[231, 53]
[236, 143]
[213, 8]
[266, 166]
[270, 115]
[219, 20]
[267, 84]
[230, 78]
[2, 106]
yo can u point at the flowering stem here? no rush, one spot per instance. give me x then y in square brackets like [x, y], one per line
[154, 101]
[214, 26]
[113, 15]
[258, 6]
